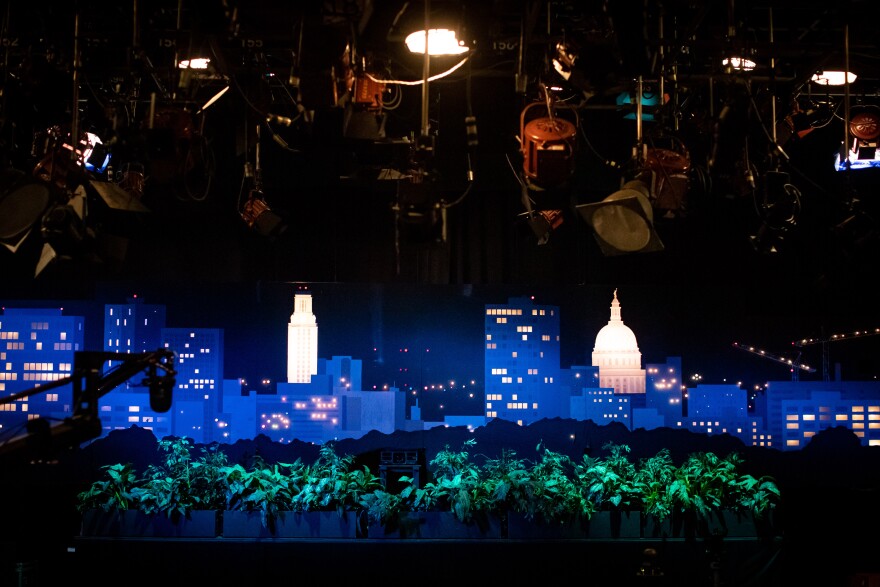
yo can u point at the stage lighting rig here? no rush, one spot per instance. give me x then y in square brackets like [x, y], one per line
[255, 210]
[548, 143]
[778, 212]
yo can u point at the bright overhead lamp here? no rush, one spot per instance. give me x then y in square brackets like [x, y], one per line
[833, 78]
[440, 42]
[194, 63]
[738, 64]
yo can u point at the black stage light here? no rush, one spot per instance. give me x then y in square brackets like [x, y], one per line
[258, 215]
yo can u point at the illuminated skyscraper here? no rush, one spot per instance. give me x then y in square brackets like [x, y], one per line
[37, 347]
[522, 362]
[133, 327]
[302, 341]
[198, 390]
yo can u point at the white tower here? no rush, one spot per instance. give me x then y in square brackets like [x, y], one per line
[302, 341]
[617, 355]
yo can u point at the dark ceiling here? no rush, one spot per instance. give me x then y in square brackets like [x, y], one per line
[298, 132]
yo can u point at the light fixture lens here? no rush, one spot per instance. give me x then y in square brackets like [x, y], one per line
[198, 63]
[833, 78]
[440, 42]
[739, 63]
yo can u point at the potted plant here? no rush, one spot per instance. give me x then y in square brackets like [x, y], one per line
[713, 497]
[510, 489]
[456, 503]
[189, 494]
[179, 497]
[550, 505]
[331, 490]
[609, 483]
[652, 481]
[747, 504]
[386, 514]
[258, 496]
[102, 504]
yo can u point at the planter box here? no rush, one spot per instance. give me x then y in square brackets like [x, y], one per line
[730, 524]
[519, 527]
[238, 524]
[655, 528]
[134, 523]
[724, 523]
[602, 525]
[435, 525]
[615, 524]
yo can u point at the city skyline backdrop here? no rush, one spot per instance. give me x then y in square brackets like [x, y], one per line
[412, 336]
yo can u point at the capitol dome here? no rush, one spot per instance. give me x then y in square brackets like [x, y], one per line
[615, 336]
[617, 355]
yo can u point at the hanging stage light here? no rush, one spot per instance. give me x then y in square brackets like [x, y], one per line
[548, 147]
[737, 63]
[669, 179]
[258, 215]
[440, 42]
[624, 221]
[22, 205]
[779, 212]
[446, 29]
[833, 78]
[865, 127]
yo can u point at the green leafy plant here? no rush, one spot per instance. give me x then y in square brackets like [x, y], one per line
[332, 484]
[383, 507]
[553, 489]
[264, 488]
[609, 482]
[180, 485]
[509, 485]
[653, 479]
[457, 486]
[556, 493]
[707, 483]
[115, 491]
[756, 495]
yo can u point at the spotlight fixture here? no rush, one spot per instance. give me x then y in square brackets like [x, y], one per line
[63, 159]
[548, 145]
[833, 78]
[806, 115]
[194, 63]
[779, 212]
[96, 154]
[738, 64]
[196, 66]
[668, 171]
[258, 215]
[864, 128]
[543, 222]
[22, 205]
[649, 98]
[66, 236]
[440, 42]
[624, 221]
[567, 54]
